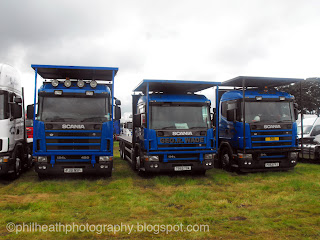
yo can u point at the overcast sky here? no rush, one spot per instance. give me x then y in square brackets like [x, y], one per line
[175, 40]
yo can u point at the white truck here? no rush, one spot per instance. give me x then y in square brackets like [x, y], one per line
[14, 152]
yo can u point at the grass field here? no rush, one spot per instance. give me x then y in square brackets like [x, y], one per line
[278, 205]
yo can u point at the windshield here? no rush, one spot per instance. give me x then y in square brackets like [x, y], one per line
[2, 110]
[64, 109]
[179, 117]
[269, 112]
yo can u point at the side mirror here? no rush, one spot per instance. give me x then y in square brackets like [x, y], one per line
[118, 102]
[117, 113]
[137, 120]
[296, 114]
[30, 110]
[16, 111]
[17, 100]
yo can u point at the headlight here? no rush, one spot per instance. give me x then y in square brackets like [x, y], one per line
[55, 83]
[293, 155]
[245, 156]
[151, 158]
[93, 84]
[4, 159]
[80, 83]
[208, 156]
[67, 83]
[105, 158]
[42, 159]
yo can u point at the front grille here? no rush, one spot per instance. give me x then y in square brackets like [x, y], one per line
[73, 140]
[49, 147]
[271, 138]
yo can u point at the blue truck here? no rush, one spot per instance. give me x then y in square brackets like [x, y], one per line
[172, 128]
[257, 128]
[73, 120]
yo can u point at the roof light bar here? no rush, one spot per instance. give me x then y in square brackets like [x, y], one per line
[93, 84]
[67, 83]
[55, 83]
[80, 83]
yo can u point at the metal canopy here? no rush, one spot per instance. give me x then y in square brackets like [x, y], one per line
[260, 82]
[174, 86]
[75, 72]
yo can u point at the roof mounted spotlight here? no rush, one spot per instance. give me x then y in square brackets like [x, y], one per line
[67, 83]
[93, 84]
[55, 83]
[80, 83]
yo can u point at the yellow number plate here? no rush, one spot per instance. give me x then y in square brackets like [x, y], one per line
[272, 138]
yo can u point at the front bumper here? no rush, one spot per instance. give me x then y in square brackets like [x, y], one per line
[7, 167]
[58, 168]
[250, 165]
[170, 166]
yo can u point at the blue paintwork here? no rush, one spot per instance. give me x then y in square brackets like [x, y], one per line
[106, 130]
[235, 130]
[151, 142]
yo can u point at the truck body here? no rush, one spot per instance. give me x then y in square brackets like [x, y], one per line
[127, 127]
[73, 120]
[172, 128]
[116, 129]
[14, 155]
[257, 128]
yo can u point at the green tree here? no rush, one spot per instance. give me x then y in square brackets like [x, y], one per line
[310, 91]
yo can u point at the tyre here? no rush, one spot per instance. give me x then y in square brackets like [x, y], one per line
[200, 173]
[17, 168]
[106, 175]
[225, 159]
[122, 151]
[42, 176]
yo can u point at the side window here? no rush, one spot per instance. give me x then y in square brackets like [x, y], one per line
[315, 131]
[224, 109]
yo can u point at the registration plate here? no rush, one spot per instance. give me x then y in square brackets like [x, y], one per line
[182, 168]
[73, 170]
[272, 138]
[272, 164]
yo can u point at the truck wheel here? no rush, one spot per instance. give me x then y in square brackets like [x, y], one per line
[138, 162]
[122, 154]
[225, 159]
[42, 176]
[17, 167]
[200, 172]
[106, 175]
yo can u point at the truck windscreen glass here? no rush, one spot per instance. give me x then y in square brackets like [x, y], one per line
[269, 112]
[179, 117]
[64, 109]
[2, 109]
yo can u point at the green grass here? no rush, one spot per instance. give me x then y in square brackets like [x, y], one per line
[274, 205]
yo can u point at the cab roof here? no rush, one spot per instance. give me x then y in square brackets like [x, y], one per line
[75, 72]
[259, 82]
[174, 86]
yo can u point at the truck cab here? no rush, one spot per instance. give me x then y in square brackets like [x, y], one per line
[172, 127]
[73, 123]
[257, 128]
[14, 155]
